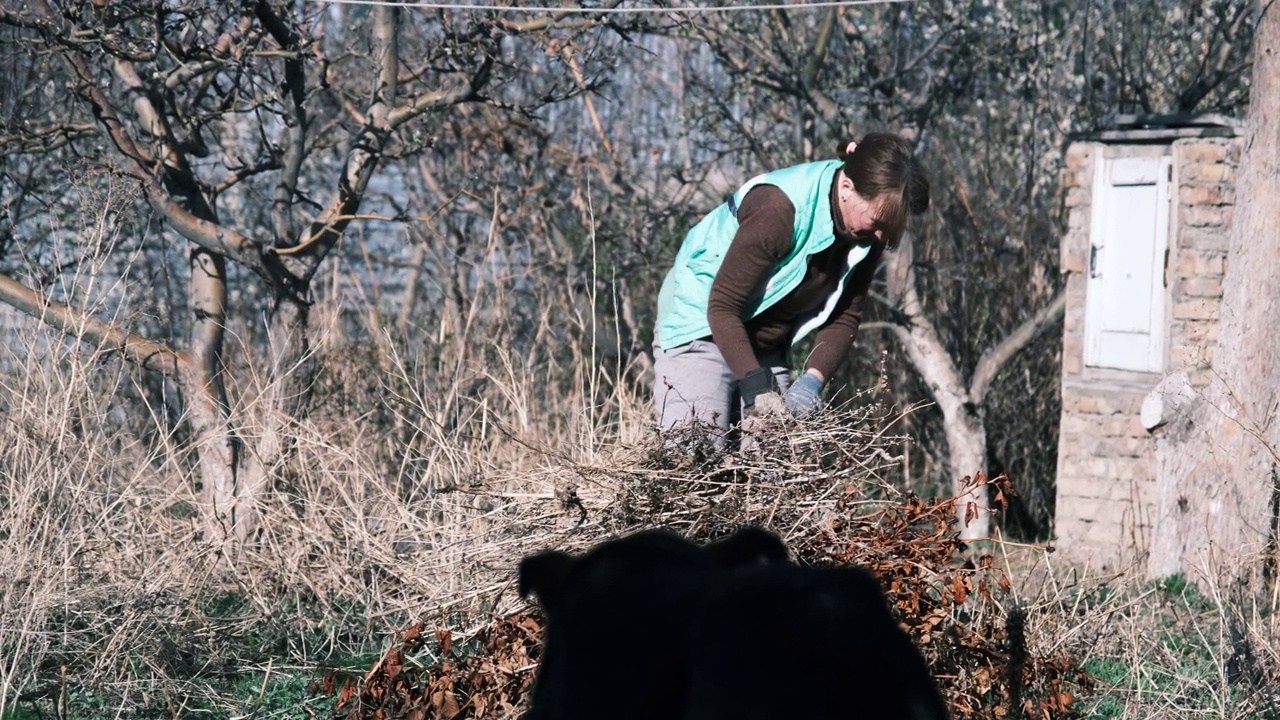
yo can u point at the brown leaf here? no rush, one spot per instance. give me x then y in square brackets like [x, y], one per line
[445, 638]
[347, 694]
[982, 677]
[394, 662]
[449, 709]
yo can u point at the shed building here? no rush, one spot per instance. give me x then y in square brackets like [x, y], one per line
[1149, 208]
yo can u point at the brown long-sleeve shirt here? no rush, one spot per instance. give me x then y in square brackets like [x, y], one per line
[765, 221]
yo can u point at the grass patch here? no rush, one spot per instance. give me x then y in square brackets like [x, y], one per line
[1164, 649]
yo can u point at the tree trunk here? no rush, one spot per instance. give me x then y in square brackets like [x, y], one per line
[206, 395]
[961, 403]
[296, 259]
[967, 456]
[966, 436]
[204, 389]
[217, 455]
[1218, 452]
[413, 278]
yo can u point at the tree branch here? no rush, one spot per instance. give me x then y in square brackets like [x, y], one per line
[440, 98]
[995, 357]
[148, 354]
[920, 337]
[243, 173]
[46, 139]
[295, 81]
[184, 74]
[914, 351]
[818, 53]
[301, 259]
[210, 235]
[9, 17]
[1212, 73]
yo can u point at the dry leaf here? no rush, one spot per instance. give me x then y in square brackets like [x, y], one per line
[445, 638]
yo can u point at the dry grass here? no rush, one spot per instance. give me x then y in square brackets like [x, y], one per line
[420, 480]
[109, 602]
[1165, 649]
[106, 592]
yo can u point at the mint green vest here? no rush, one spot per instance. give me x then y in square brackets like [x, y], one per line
[686, 291]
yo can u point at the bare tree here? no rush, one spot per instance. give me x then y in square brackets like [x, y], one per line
[205, 103]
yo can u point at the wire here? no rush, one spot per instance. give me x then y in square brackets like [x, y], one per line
[614, 10]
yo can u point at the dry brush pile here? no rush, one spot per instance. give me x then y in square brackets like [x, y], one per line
[824, 488]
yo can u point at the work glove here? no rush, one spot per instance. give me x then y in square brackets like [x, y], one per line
[759, 393]
[762, 406]
[804, 397]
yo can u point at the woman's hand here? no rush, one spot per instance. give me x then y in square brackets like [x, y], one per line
[758, 383]
[804, 397]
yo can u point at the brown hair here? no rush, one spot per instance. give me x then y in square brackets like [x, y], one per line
[882, 164]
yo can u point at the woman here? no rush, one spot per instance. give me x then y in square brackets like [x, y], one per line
[791, 252]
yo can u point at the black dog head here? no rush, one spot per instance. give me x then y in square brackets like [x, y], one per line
[545, 574]
[618, 619]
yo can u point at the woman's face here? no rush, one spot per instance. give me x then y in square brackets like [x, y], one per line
[861, 216]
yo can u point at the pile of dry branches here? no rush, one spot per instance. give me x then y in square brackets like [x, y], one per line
[823, 488]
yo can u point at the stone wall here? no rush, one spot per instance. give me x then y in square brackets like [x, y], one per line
[1106, 464]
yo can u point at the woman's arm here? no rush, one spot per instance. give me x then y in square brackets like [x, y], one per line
[765, 220]
[833, 340]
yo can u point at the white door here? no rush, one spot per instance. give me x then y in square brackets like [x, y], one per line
[1125, 301]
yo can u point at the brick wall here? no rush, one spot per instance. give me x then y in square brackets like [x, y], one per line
[1106, 464]
[1204, 173]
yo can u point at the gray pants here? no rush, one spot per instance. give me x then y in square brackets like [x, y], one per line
[693, 383]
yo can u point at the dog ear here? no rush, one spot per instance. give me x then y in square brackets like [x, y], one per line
[749, 546]
[543, 575]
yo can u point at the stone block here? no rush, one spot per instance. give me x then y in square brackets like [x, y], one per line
[1079, 423]
[1075, 509]
[1123, 425]
[1127, 447]
[1202, 152]
[1201, 331]
[1207, 195]
[1201, 263]
[1072, 364]
[1195, 309]
[1200, 216]
[1073, 261]
[1075, 401]
[1200, 287]
[1078, 227]
[1190, 356]
[1102, 403]
[1077, 197]
[1073, 318]
[1214, 173]
[1078, 155]
[1073, 344]
[1196, 238]
[1180, 334]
